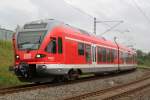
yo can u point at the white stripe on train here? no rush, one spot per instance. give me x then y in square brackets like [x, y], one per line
[77, 40]
[49, 66]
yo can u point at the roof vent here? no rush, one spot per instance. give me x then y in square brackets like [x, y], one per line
[35, 26]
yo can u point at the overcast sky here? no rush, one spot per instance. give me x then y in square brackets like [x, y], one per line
[135, 13]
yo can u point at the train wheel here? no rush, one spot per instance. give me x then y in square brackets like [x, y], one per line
[59, 78]
[17, 72]
[25, 71]
[73, 74]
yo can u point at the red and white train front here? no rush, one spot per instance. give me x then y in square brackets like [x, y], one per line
[34, 48]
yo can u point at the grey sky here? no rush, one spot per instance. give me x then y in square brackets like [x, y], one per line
[13, 12]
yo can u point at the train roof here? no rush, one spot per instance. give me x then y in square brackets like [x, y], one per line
[48, 24]
[99, 39]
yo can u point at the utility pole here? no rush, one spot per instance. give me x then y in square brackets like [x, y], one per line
[95, 25]
[118, 53]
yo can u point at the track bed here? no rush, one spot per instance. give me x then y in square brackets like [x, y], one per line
[69, 90]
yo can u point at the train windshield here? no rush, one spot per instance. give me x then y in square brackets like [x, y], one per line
[30, 40]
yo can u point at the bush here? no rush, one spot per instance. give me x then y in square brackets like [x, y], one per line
[143, 58]
[7, 78]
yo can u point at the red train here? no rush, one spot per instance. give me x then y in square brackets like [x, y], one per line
[55, 48]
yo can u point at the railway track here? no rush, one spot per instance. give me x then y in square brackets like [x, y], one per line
[34, 86]
[114, 92]
[22, 88]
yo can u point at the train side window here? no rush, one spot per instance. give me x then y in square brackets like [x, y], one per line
[124, 57]
[121, 56]
[80, 49]
[88, 53]
[134, 58]
[108, 55]
[60, 46]
[104, 55]
[127, 58]
[128, 61]
[99, 54]
[51, 47]
[112, 56]
[115, 54]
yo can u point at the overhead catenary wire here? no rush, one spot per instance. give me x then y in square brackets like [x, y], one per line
[112, 27]
[141, 11]
[79, 10]
[103, 22]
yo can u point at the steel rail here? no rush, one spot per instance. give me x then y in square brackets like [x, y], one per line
[115, 91]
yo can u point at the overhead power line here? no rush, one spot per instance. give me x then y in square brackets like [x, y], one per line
[141, 11]
[118, 22]
[98, 21]
[79, 10]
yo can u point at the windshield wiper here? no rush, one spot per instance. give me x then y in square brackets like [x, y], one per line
[24, 43]
[31, 48]
[40, 39]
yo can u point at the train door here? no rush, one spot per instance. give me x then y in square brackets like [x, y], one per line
[51, 49]
[60, 49]
[55, 49]
[93, 55]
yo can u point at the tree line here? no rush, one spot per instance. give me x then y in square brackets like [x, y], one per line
[143, 58]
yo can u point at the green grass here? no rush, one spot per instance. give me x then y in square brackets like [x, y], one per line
[143, 67]
[7, 78]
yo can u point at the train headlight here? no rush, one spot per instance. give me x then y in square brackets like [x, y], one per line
[40, 56]
[17, 57]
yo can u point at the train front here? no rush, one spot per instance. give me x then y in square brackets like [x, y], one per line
[29, 48]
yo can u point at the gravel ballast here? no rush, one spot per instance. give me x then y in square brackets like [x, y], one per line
[143, 94]
[61, 92]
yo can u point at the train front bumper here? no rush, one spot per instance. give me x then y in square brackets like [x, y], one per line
[54, 69]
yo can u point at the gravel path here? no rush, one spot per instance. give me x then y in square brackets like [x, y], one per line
[60, 92]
